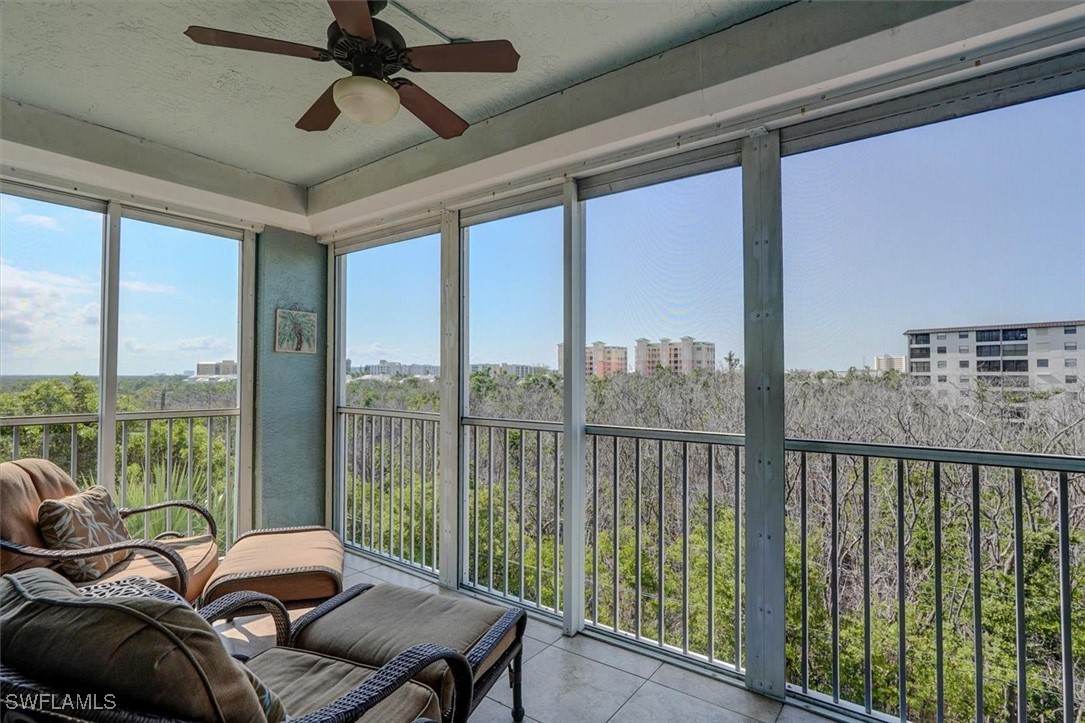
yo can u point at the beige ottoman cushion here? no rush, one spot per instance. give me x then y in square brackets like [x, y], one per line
[387, 619]
[293, 565]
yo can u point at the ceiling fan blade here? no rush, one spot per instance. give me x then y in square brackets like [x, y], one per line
[353, 17]
[240, 41]
[486, 56]
[429, 110]
[321, 114]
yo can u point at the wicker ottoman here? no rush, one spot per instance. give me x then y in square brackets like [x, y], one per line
[370, 624]
[301, 566]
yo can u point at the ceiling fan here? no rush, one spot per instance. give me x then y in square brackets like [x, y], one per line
[373, 51]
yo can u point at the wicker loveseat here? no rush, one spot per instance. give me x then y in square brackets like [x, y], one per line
[61, 653]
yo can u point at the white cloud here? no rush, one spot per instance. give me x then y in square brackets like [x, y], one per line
[48, 321]
[148, 287]
[9, 205]
[38, 220]
[179, 347]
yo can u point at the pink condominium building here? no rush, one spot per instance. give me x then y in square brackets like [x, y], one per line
[600, 360]
[682, 356]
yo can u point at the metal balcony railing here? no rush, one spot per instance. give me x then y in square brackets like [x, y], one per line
[391, 470]
[163, 455]
[921, 583]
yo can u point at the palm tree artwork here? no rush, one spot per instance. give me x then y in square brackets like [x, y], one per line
[295, 331]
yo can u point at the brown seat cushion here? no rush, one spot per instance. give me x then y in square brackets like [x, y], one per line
[86, 519]
[24, 484]
[305, 681]
[387, 619]
[201, 556]
[291, 565]
[153, 655]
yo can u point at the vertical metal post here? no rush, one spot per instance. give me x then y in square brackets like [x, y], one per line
[764, 343]
[107, 355]
[574, 427]
[246, 391]
[453, 292]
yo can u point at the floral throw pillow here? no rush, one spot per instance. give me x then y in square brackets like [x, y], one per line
[87, 519]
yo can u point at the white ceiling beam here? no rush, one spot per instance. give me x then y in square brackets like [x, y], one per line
[41, 146]
[804, 60]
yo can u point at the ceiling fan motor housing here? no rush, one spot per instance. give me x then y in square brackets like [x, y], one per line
[379, 59]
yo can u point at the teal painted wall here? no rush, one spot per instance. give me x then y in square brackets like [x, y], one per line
[289, 420]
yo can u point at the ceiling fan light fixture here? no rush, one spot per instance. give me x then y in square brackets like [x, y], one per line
[366, 99]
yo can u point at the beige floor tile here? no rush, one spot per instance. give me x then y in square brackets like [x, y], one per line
[718, 693]
[490, 711]
[560, 687]
[793, 714]
[543, 632]
[660, 704]
[639, 665]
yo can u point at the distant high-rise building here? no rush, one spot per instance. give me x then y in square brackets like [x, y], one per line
[1042, 356]
[224, 368]
[348, 366]
[682, 356]
[600, 360]
[519, 371]
[391, 369]
[887, 362]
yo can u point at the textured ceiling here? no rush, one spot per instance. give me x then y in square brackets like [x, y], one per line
[127, 66]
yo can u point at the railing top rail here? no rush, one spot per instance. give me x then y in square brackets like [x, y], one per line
[946, 455]
[38, 420]
[532, 424]
[396, 413]
[177, 414]
[667, 435]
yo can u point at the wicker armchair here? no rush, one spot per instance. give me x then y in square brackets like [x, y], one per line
[338, 691]
[183, 563]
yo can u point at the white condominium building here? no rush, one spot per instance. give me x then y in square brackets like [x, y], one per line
[1041, 356]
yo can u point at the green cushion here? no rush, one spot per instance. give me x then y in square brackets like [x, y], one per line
[153, 655]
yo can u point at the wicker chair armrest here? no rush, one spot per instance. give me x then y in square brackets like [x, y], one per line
[393, 675]
[158, 548]
[481, 650]
[212, 528]
[324, 608]
[234, 603]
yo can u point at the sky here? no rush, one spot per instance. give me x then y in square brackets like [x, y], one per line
[177, 298]
[978, 220]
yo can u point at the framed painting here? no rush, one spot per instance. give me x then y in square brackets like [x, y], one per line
[295, 331]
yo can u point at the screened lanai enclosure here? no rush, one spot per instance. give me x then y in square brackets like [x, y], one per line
[776, 375]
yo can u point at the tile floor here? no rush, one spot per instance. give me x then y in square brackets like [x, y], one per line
[579, 679]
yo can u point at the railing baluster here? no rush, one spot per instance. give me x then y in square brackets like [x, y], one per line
[834, 578]
[520, 550]
[868, 680]
[210, 447]
[617, 541]
[490, 509]
[474, 504]
[374, 520]
[538, 519]
[977, 593]
[636, 549]
[73, 463]
[505, 529]
[350, 473]
[45, 441]
[147, 477]
[228, 488]
[738, 560]
[902, 649]
[1065, 610]
[402, 478]
[15, 434]
[169, 470]
[685, 548]
[435, 470]
[595, 530]
[124, 464]
[939, 667]
[710, 452]
[190, 454]
[425, 483]
[557, 524]
[804, 573]
[384, 457]
[1019, 583]
[661, 593]
[410, 481]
